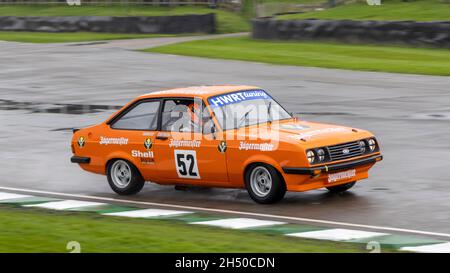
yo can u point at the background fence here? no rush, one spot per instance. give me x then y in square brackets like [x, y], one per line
[123, 2]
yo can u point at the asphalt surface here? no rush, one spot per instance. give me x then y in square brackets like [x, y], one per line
[43, 87]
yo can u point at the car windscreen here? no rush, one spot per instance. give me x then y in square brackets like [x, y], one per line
[244, 108]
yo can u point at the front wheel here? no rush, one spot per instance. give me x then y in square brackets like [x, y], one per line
[264, 184]
[341, 188]
[124, 178]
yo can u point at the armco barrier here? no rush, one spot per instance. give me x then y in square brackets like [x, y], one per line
[436, 34]
[204, 23]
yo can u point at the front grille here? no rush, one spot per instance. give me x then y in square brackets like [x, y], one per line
[336, 152]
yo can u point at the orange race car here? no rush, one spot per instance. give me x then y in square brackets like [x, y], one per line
[222, 136]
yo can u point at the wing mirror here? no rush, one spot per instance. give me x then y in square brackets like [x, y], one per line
[213, 129]
[209, 127]
[295, 115]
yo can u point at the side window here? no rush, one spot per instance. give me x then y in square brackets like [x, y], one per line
[144, 116]
[180, 115]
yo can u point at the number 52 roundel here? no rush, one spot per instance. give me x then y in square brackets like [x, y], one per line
[186, 164]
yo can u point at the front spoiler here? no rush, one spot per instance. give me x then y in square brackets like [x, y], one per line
[333, 167]
[80, 159]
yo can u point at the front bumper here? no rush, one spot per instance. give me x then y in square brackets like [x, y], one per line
[333, 167]
[80, 159]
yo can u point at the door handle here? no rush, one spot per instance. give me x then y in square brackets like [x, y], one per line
[162, 137]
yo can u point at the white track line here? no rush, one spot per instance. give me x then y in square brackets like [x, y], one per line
[238, 223]
[144, 213]
[8, 196]
[337, 234]
[435, 248]
[309, 220]
[66, 204]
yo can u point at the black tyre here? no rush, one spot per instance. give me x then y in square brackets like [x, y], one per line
[341, 188]
[264, 184]
[124, 178]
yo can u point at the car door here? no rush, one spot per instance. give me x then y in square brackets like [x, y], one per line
[132, 133]
[188, 156]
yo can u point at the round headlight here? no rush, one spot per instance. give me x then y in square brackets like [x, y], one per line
[321, 155]
[311, 156]
[372, 144]
[362, 146]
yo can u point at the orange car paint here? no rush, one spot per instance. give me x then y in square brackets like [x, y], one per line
[155, 158]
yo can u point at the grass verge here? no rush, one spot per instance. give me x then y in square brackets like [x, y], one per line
[316, 54]
[34, 230]
[419, 10]
[227, 22]
[43, 37]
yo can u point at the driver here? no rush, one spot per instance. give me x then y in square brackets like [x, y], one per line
[189, 120]
[194, 110]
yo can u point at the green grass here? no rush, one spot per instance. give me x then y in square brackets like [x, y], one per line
[43, 37]
[419, 10]
[330, 55]
[31, 230]
[227, 22]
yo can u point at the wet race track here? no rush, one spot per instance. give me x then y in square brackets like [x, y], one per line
[45, 90]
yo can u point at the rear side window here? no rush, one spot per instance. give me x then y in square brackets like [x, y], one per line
[143, 116]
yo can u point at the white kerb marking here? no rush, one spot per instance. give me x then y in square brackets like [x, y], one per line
[239, 223]
[66, 204]
[144, 213]
[235, 212]
[7, 196]
[435, 248]
[337, 234]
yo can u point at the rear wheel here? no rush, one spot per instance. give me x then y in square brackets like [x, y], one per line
[341, 188]
[124, 178]
[264, 184]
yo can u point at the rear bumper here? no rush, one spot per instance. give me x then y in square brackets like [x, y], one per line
[333, 167]
[80, 159]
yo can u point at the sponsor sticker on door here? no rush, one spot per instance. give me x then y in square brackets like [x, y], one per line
[334, 177]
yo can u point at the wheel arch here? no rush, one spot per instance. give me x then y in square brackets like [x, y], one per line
[110, 160]
[263, 160]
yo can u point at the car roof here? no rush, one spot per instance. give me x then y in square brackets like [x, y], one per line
[198, 91]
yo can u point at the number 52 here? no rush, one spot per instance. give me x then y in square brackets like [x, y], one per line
[186, 164]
